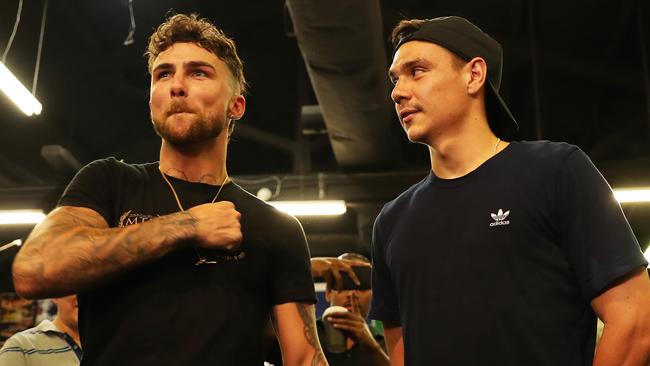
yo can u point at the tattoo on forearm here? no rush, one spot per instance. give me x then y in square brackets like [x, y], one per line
[308, 316]
[74, 242]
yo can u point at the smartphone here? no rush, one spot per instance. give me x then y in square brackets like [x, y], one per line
[363, 274]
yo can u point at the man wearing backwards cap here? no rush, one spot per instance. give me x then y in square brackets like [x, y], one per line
[506, 252]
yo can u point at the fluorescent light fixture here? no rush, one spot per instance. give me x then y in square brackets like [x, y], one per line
[647, 255]
[17, 92]
[632, 195]
[311, 208]
[21, 217]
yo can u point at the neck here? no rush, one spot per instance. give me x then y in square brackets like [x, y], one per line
[456, 153]
[204, 162]
[71, 331]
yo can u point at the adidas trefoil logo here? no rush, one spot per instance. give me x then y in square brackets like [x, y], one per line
[500, 218]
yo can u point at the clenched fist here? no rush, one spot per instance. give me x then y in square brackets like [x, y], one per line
[217, 225]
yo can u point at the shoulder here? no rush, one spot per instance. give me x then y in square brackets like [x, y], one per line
[403, 200]
[23, 338]
[544, 151]
[113, 165]
[262, 212]
[111, 172]
[540, 158]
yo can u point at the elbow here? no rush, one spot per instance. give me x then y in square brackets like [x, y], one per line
[26, 291]
[26, 285]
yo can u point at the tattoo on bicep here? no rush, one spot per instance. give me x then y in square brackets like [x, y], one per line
[308, 316]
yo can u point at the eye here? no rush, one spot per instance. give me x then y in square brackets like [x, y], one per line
[199, 73]
[162, 74]
[417, 70]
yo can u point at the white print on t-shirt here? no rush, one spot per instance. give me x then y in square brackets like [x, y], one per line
[500, 218]
[132, 218]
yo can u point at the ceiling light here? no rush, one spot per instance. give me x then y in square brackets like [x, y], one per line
[17, 92]
[311, 208]
[632, 195]
[264, 194]
[21, 217]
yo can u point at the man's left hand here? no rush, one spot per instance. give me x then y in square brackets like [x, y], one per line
[354, 325]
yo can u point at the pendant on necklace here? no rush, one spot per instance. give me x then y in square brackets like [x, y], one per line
[202, 261]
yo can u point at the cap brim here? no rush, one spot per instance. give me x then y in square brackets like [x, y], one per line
[501, 120]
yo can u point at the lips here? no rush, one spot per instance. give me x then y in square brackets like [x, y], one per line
[177, 107]
[406, 114]
[172, 112]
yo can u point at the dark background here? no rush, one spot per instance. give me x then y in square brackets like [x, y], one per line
[574, 71]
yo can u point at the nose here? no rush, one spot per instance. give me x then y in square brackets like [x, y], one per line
[399, 92]
[178, 87]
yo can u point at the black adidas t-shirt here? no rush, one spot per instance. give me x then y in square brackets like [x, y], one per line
[171, 312]
[498, 267]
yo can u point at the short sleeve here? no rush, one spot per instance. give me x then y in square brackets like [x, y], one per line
[92, 187]
[292, 280]
[384, 305]
[12, 353]
[601, 246]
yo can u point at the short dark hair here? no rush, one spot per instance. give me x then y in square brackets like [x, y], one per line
[407, 27]
[191, 28]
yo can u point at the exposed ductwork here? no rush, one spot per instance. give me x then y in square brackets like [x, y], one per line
[342, 46]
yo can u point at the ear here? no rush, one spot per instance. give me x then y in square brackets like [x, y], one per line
[237, 107]
[478, 75]
[327, 295]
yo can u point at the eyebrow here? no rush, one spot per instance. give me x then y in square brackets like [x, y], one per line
[407, 65]
[188, 65]
[195, 64]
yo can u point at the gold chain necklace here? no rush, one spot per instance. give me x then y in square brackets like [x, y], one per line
[202, 259]
[496, 146]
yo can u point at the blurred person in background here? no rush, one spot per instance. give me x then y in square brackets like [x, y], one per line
[50, 343]
[348, 286]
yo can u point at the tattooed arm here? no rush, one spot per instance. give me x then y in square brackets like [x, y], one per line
[295, 324]
[74, 247]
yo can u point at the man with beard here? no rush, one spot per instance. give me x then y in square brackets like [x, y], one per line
[173, 262]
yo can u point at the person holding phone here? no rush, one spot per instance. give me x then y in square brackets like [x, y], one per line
[348, 287]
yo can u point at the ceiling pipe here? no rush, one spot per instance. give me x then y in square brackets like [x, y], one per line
[345, 54]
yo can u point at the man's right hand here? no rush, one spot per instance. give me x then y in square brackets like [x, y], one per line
[330, 269]
[217, 225]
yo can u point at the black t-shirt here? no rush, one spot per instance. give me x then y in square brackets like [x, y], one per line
[171, 312]
[498, 267]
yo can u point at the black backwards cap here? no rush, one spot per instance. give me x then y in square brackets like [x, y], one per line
[467, 41]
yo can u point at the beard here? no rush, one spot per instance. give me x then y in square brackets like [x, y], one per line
[204, 127]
